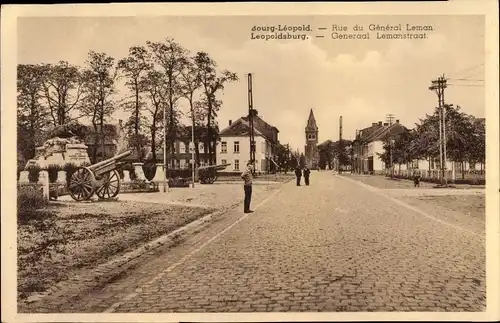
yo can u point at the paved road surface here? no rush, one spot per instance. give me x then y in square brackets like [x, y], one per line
[332, 246]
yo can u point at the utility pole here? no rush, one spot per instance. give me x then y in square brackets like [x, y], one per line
[438, 87]
[250, 120]
[340, 146]
[390, 118]
[165, 168]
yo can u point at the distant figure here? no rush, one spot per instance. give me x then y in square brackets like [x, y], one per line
[307, 172]
[247, 186]
[416, 178]
[298, 174]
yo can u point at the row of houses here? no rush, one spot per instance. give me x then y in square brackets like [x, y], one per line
[232, 146]
[368, 144]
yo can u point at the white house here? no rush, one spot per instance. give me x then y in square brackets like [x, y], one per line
[234, 146]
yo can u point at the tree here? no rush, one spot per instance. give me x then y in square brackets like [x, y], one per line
[32, 116]
[171, 57]
[135, 67]
[326, 152]
[190, 83]
[212, 83]
[153, 84]
[99, 78]
[62, 88]
[477, 151]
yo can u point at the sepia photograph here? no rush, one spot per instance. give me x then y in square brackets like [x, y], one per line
[250, 161]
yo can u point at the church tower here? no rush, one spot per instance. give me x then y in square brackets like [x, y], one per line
[311, 148]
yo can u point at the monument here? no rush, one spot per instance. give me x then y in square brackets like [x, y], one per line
[60, 151]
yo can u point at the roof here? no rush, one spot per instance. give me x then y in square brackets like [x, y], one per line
[240, 127]
[311, 122]
[382, 131]
[265, 128]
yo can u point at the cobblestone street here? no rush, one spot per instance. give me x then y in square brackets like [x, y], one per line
[336, 245]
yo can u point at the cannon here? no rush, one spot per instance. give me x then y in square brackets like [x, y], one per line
[208, 174]
[101, 178]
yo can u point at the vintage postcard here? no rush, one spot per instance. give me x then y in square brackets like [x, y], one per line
[250, 162]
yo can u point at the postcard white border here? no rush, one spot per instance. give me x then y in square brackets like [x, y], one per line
[489, 8]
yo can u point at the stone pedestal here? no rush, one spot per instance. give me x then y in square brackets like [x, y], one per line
[43, 179]
[60, 151]
[126, 177]
[23, 177]
[61, 177]
[159, 175]
[139, 172]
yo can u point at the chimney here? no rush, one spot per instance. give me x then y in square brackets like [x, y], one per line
[386, 123]
[397, 121]
[253, 112]
[230, 122]
[374, 124]
[380, 123]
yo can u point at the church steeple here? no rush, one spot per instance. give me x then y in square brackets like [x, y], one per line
[311, 122]
[311, 147]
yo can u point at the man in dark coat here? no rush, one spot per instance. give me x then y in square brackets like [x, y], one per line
[298, 174]
[247, 186]
[307, 172]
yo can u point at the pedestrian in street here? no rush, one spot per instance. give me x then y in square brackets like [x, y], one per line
[298, 174]
[247, 186]
[307, 173]
[416, 178]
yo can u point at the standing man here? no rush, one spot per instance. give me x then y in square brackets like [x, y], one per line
[298, 174]
[307, 172]
[247, 186]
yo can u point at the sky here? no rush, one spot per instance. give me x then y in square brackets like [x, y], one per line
[360, 80]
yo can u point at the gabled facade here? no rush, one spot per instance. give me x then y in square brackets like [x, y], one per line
[369, 143]
[234, 145]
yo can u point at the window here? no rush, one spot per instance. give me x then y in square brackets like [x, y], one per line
[182, 148]
[236, 164]
[201, 147]
[263, 147]
[223, 147]
[236, 147]
[223, 161]
[263, 165]
[183, 163]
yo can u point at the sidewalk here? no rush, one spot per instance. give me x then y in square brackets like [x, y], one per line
[382, 182]
[204, 196]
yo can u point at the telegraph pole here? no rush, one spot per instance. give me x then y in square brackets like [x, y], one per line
[250, 120]
[340, 146]
[438, 87]
[390, 118]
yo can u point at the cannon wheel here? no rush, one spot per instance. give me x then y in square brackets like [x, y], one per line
[110, 186]
[82, 184]
[212, 179]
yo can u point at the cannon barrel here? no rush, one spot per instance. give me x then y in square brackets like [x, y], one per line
[110, 160]
[217, 167]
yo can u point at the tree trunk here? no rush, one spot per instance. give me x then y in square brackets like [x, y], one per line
[96, 141]
[463, 169]
[153, 140]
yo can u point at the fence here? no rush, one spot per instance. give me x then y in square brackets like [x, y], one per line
[434, 175]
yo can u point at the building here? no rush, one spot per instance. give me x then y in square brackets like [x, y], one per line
[181, 156]
[369, 143]
[111, 133]
[311, 148]
[234, 146]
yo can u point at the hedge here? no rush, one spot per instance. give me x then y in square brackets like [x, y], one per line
[29, 199]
